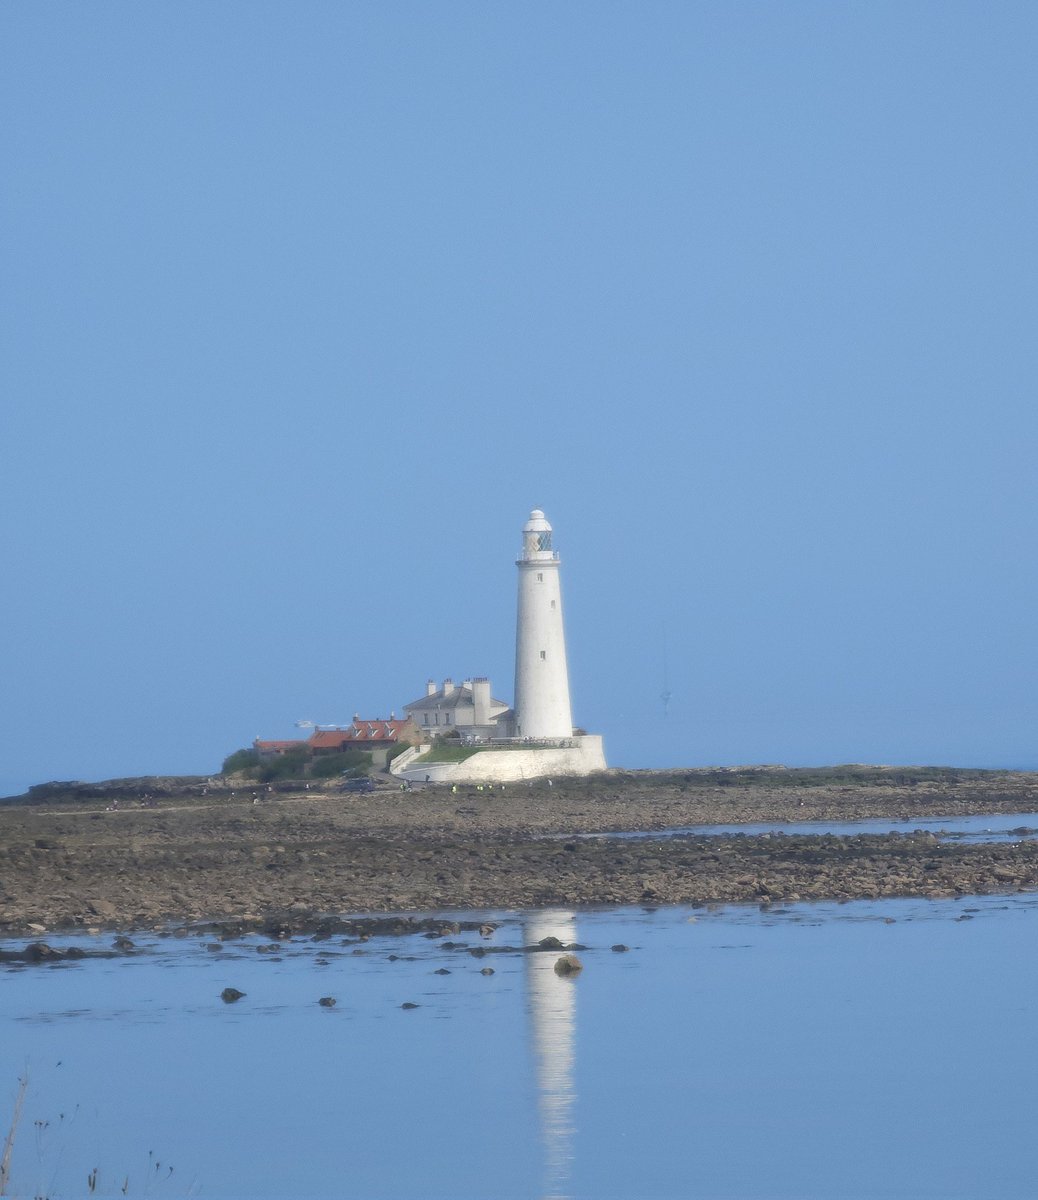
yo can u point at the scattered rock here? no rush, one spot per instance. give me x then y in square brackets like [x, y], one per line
[551, 943]
[41, 952]
[124, 944]
[568, 964]
[327, 1002]
[620, 948]
[441, 971]
[230, 995]
[408, 1004]
[213, 947]
[486, 971]
[487, 930]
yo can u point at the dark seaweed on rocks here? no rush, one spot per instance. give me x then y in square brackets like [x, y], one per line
[200, 856]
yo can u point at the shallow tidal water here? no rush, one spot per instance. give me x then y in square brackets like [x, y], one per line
[992, 827]
[870, 1049]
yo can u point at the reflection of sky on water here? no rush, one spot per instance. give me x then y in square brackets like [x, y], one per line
[819, 1050]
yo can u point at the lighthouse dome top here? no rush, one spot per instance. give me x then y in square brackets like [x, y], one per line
[537, 523]
[537, 540]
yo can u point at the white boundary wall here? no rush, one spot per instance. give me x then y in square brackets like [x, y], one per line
[512, 766]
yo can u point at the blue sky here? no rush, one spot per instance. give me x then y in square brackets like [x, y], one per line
[305, 306]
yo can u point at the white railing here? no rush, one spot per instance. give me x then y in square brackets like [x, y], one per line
[400, 762]
[534, 743]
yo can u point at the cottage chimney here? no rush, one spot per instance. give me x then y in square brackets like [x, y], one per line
[448, 687]
[481, 701]
[430, 687]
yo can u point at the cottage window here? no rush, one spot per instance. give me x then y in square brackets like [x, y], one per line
[543, 656]
[446, 718]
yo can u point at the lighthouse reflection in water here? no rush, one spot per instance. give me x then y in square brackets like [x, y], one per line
[552, 1006]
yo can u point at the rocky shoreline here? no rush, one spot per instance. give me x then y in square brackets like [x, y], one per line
[149, 854]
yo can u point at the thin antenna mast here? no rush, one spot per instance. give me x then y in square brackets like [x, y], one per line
[666, 693]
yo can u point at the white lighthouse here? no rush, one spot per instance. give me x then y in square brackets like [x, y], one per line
[541, 714]
[542, 707]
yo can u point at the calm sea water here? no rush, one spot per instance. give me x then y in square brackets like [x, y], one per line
[873, 1049]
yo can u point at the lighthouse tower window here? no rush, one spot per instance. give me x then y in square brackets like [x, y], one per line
[540, 576]
[543, 656]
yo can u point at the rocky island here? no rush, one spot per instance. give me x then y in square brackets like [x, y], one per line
[150, 853]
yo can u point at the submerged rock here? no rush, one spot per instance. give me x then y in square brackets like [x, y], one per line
[229, 995]
[41, 952]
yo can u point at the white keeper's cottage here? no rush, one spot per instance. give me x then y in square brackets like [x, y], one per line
[467, 706]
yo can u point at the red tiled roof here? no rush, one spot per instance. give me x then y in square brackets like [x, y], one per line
[359, 731]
